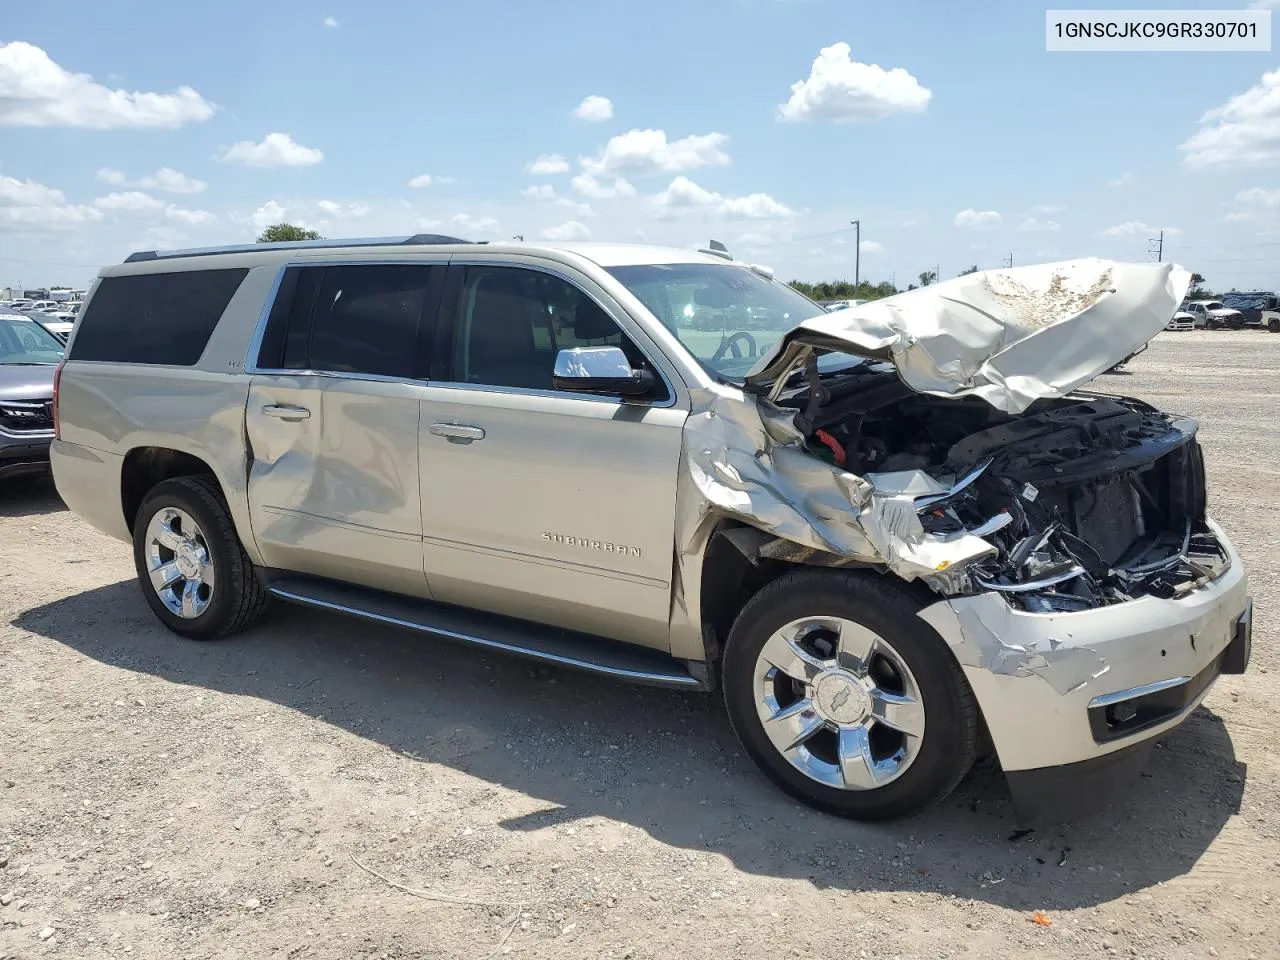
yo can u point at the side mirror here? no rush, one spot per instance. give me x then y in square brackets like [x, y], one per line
[602, 370]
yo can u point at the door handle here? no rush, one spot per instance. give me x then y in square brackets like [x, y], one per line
[286, 411]
[457, 432]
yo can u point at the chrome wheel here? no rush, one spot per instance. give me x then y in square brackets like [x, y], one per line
[178, 563]
[839, 703]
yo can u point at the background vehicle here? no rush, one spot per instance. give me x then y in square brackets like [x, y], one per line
[577, 453]
[1253, 305]
[833, 305]
[1215, 315]
[1182, 320]
[28, 358]
[59, 323]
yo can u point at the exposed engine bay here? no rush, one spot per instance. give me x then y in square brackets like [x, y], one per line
[1088, 500]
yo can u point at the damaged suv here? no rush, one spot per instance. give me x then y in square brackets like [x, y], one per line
[895, 536]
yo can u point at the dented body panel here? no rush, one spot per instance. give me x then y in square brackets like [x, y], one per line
[1035, 675]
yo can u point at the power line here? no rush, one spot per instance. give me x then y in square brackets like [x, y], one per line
[1159, 247]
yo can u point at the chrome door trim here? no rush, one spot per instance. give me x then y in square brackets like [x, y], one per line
[255, 342]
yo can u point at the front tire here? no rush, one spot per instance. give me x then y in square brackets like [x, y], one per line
[846, 699]
[1273, 325]
[191, 566]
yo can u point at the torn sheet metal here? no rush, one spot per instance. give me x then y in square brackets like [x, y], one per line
[1010, 336]
[746, 460]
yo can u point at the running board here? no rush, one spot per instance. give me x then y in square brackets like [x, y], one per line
[490, 631]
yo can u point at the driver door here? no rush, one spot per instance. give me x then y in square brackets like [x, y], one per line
[548, 505]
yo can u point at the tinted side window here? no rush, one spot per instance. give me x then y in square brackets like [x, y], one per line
[512, 322]
[155, 317]
[366, 319]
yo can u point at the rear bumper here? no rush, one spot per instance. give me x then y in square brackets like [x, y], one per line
[88, 481]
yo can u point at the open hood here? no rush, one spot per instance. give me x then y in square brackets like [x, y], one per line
[1010, 336]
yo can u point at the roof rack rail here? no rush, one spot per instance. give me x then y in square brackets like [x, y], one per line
[418, 239]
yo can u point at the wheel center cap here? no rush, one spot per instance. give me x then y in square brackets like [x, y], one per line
[841, 699]
[187, 557]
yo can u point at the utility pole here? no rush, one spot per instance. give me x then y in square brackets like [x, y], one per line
[1009, 264]
[857, 252]
[1158, 249]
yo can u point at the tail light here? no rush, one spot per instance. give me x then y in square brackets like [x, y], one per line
[57, 381]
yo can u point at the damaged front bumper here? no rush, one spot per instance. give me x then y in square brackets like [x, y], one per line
[1074, 701]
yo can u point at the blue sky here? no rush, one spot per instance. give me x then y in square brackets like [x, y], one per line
[946, 128]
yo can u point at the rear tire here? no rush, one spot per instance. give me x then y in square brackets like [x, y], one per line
[1273, 325]
[881, 724]
[191, 566]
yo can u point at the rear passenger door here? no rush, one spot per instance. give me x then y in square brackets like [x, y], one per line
[332, 420]
[543, 504]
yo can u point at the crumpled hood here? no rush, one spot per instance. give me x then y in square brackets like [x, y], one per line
[1010, 336]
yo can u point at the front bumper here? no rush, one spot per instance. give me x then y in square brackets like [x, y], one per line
[1060, 692]
[23, 455]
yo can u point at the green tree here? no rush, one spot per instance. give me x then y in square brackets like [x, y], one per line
[281, 232]
[928, 277]
[968, 270]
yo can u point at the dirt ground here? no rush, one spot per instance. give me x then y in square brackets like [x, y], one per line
[273, 795]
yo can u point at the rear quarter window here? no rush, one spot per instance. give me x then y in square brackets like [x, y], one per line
[160, 318]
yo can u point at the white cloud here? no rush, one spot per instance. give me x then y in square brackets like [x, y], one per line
[474, 224]
[544, 192]
[589, 186]
[1045, 209]
[1243, 132]
[571, 230]
[27, 193]
[1120, 181]
[131, 201]
[184, 215]
[1033, 223]
[331, 22]
[171, 181]
[976, 218]
[1045, 253]
[649, 151]
[35, 205]
[1259, 197]
[907, 224]
[1136, 228]
[166, 179]
[870, 246]
[548, 164]
[268, 214]
[594, 109]
[425, 224]
[841, 89]
[158, 238]
[343, 211]
[36, 92]
[683, 195]
[275, 150]
[422, 180]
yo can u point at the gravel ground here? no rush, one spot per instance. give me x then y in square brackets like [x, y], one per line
[160, 798]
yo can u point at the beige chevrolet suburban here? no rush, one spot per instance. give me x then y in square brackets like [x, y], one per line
[895, 536]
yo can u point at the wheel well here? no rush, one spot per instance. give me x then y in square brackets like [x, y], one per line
[144, 467]
[734, 570]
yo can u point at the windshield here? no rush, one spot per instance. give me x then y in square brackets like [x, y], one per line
[724, 314]
[25, 341]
